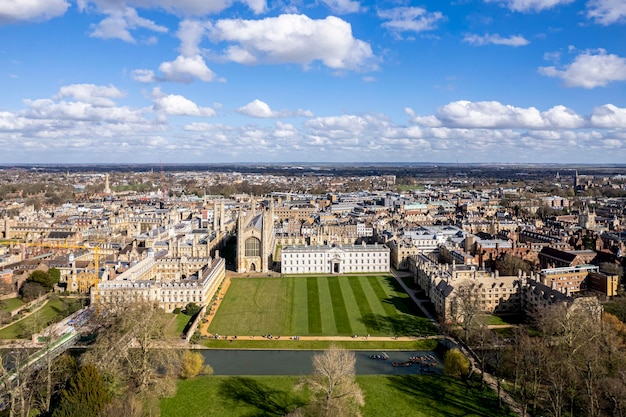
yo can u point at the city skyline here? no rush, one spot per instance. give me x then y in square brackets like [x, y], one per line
[476, 81]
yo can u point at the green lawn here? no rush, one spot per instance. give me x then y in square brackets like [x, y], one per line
[11, 304]
[180, 322]
[406, 396]
[501, 320]
[259, 343]
[55, 310]
[319, 306]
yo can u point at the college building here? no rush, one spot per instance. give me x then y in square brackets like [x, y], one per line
[334, 259]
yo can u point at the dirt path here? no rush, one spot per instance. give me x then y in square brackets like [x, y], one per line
[204, 327]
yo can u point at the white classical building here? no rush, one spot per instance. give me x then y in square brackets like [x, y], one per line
[169, 282]
[334, 259]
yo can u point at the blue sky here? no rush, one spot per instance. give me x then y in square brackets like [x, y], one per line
[213, 81]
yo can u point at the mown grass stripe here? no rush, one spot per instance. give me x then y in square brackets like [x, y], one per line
[313, 304]
[326, 308]
[342, 322]
[299, 308]
[354, 315]
[385, 297]
[368, 317]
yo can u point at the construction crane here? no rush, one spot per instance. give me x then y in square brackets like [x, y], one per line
[81, 284]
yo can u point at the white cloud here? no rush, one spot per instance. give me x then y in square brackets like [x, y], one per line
[428, 121]
[27, 10]
[495, 39]
[606, 12]
[179, 7]
[410, 19]
[530, 5]
[293, 39]
[177, 105]
[284, 130]
[258, 108]
[187, 66]
[75, 110]
[495, 115]
[184, 69]
[96, 95]
[590, 69]
[563, 117]
[609, 116]
[343, 6]
[144, 76]
[119, 23]
[190, 33]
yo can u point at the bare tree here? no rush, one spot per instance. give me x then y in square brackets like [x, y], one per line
[465, 306]
[529, 357]
[333, 385]
[134, 351]
[16, 381]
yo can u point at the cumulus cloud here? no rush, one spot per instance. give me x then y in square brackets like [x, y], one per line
[606, 12]
[260, 109]
[76, 110]
[179, 7]
[495, 115]
[291, 38]
[609, 116]
[410, 19]
[85, 119]
[190, 33]
[590, 69]
[257, 108]
[144, 76]
[96, 95]
[184, 69]
[187, 66]
[343, 6]
[495, 39]
[119, 23]
[31, 10]
[530, 5]
[177, 105]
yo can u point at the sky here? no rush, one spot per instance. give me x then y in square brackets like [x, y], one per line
[222, 81]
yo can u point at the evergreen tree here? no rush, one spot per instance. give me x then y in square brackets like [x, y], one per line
[85, 395]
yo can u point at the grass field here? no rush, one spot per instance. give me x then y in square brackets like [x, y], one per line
[406, 396]
[319, 306]
[11, 304]
[421, 344]
[54, 311]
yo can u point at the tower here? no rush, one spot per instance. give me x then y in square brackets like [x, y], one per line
[107, 187]
[255, 238]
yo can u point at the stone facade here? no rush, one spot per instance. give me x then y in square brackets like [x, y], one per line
[256, 239]
[334, 259]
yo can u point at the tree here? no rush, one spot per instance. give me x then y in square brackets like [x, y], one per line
[456, 364]
[133, 351]
[510, 265]
[192, 309]
[54, 276]
[192, 365]
[334, 390]
[465, 306]
[85, 396]
[31, 291]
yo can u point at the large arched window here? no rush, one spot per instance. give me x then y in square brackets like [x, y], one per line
[253, 247]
